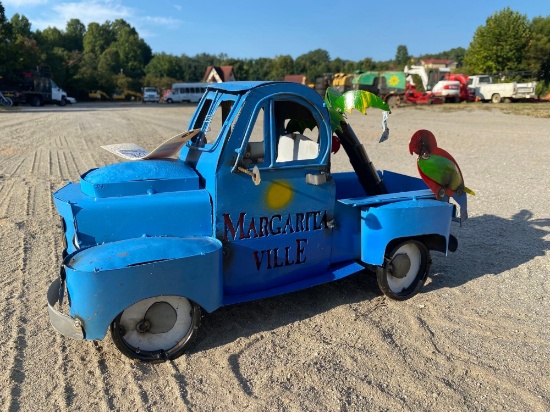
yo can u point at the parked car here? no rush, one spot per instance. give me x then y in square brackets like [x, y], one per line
[485, 90]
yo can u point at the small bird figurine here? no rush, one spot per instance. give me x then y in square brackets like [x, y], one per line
[437, 168]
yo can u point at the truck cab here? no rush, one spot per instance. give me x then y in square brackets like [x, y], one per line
[250, 209]
[59, 95]
[151, 95]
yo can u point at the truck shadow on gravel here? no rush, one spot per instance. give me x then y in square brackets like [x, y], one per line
[491, 245]
[488, 245]
[229, 323]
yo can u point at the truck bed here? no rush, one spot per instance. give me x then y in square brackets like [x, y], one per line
[348, 187]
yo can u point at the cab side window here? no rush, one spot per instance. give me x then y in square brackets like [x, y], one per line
[255, 148]
[287, 127]
[297, 132]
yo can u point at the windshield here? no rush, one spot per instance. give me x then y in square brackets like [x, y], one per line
[213, 120]
[150, 90]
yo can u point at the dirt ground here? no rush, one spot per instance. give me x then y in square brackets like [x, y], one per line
[476, 339]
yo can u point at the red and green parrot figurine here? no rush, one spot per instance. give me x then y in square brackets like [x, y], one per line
[437, 168]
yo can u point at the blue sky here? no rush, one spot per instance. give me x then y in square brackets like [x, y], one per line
[252, 29]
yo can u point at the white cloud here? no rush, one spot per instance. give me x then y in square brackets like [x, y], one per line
[59, 13]
[98, 11]
[86, 11]
[162, 21]
[94, 11]
[23, 3]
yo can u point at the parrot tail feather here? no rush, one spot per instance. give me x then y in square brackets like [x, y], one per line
[469, 191]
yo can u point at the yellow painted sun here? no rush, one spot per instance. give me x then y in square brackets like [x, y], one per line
[394, 80]
[279, 195]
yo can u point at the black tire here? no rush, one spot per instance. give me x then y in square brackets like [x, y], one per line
[156, 329]
[63, 102]
[35, 101]
[393, 101]
[495, 98]
[405, 270]
[169, 101]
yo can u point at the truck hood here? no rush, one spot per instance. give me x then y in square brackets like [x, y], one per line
[149, 198]
[139, 178]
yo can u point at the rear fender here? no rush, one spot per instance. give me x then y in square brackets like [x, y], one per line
[423, 218]
[104, 280]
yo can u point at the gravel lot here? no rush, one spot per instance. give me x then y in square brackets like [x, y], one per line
[476, 339]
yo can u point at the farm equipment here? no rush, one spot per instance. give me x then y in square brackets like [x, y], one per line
[98, 95]
[390, 86]
[343, 82]
[126, 95]
[434, 82]
[250, 209]
[322, 83]
[466, 94]
[413, 96]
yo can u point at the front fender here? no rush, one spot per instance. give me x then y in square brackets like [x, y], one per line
[414, 218]
[104, 280]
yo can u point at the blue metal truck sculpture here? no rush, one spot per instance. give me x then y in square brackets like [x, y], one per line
[250, 209]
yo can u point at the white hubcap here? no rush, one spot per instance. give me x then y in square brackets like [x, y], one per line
[156, 323]
[398, 284]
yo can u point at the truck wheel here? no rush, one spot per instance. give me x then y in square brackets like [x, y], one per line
[35, 101]
[169, 101]
[63, 102]
[393, 102]
[405, 270]
[156, 329]
[496, 98]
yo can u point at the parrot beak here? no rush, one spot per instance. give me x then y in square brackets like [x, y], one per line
[413, 146]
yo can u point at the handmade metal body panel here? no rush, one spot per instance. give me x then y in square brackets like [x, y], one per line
[90, 221]
[278, 232]
[103, 280]
[139, 178]
[203, 228]
[401, 220]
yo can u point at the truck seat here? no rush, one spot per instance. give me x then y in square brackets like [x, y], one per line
[295, 146]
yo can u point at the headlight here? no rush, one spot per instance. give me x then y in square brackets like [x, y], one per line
[64, 228]
[75, 241]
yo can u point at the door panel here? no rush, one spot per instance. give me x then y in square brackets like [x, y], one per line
[277, 232]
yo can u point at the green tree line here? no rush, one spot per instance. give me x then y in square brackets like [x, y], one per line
[112, 55]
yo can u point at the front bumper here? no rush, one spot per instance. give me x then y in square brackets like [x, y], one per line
[64, 324]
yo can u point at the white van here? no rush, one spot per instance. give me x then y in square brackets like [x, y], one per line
[186, 92]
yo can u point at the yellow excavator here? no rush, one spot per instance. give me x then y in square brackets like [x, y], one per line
[127, 95]
[98, 95]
